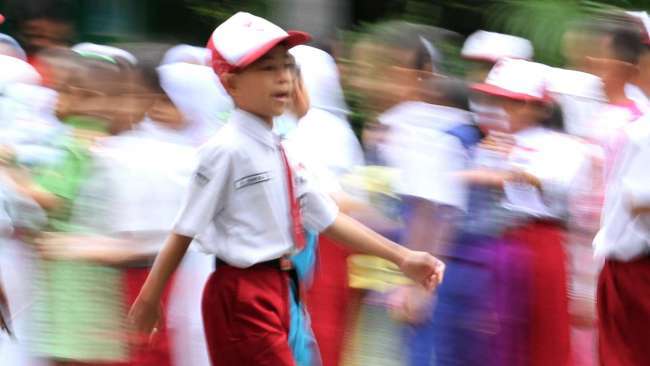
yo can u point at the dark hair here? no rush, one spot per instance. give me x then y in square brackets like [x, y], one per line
[416, 38]
[448, 91]
[97, 73]
[626, 44]
[149, 56]
[555, 119]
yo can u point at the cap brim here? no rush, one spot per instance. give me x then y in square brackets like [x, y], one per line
[292, 39]
[505, 93]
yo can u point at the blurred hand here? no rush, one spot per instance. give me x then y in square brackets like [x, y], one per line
[582, 311]
[7, 155]
[145, 318]
[55, 246]
[423, 269]
[412, 304]
[498, 142]
[519, 176]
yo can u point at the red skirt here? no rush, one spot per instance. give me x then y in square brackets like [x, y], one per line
[327, 300]
[549, 322]
[623, 305]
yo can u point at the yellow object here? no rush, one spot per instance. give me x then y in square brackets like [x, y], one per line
[374, 273]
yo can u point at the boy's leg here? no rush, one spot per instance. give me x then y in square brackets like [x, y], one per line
[246, 316]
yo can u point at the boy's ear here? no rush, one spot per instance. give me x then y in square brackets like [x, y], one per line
[229, 82]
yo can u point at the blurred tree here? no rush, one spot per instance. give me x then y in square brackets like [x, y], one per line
[544, 22]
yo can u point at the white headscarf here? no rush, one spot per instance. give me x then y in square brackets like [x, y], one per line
[18, 51]
[198, 94]
[188, 54]
[14, 70]
[321, 78]
[323, 136]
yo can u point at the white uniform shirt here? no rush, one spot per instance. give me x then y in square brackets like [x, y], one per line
[556, 160]
[425, 155]
[638, 96]
[581, 97]
[135, 187]
[237, 206]
[328, 140]
[622, 236]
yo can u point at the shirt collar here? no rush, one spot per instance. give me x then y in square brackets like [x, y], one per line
[255, 127]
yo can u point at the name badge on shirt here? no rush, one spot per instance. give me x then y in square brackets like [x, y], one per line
[252, 179]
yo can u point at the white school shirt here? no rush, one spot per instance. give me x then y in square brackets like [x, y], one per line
[556, 160]
[638, 96]
[425, 155]
[237, 204]
[328, 140]
[134, 189]
[622, 236]
[581, 97]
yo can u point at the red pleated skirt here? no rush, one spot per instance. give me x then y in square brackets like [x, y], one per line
[549, 321]
[327, 300]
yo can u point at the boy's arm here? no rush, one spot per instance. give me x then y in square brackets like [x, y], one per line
[107, 250]
[421, 267]
[145, 311]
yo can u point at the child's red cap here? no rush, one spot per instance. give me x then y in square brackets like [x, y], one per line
[244, 38]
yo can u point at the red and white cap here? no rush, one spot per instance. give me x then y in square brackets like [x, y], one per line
[516, 79]
[244, 38]
[491, 47]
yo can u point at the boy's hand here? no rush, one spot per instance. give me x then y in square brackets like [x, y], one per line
[412, 304]
[423, 268]
[144, 319]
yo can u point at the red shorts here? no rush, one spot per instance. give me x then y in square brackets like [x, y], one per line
[246, 315]
[624, 313]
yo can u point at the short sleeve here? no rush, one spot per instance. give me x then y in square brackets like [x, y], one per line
[559, 172]
[317, 208]
[207, 192]
[427, 163]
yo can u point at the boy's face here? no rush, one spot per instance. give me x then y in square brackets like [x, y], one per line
[114, 97]
[609, 68]
[381, 75]
[522, 114]
[42, 33]
[265, 87]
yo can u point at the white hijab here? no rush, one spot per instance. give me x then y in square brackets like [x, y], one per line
[321, 78]
[18, 51]
[12, 71]
[323, 136]
[198, 94]
[188, 54]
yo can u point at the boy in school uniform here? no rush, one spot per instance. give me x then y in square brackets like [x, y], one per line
[622, 241]
[247, 205]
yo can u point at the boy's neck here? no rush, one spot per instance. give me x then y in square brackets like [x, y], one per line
[616, 94]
